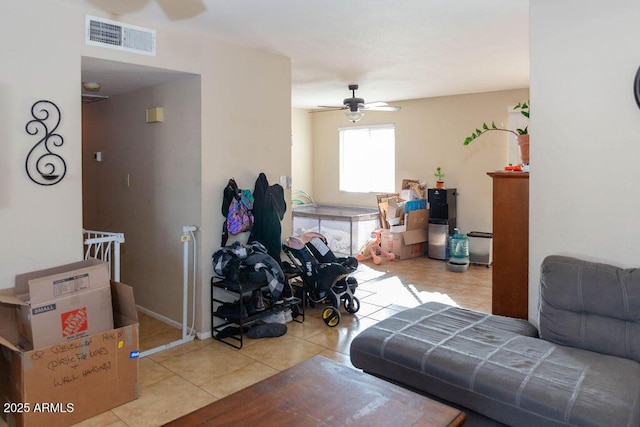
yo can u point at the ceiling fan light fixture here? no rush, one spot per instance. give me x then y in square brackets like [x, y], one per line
[354, 116]
[91, 86]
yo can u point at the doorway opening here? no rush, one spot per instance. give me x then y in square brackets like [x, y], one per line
[141, 176]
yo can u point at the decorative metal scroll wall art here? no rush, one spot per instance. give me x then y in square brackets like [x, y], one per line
[44, 167]
[636, 87]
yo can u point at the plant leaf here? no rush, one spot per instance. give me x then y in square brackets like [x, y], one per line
[485, 127]
[493, 125]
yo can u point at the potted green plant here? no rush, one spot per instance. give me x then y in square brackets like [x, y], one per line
[439, 175]
[521, 134]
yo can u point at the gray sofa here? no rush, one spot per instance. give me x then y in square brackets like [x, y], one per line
[581, 368]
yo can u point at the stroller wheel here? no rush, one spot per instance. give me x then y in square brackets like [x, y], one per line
[352, 305]
[331, 316]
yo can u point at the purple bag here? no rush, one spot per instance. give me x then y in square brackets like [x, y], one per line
[240, 218]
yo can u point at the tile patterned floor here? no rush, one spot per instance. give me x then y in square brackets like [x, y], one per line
[181, 379]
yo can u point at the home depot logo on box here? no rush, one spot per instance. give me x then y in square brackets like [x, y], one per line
[74, 322]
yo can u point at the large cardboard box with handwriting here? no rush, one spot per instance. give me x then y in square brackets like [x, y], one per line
[62, 384]
[63, 303]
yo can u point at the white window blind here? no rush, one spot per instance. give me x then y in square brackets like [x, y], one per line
[367, 159]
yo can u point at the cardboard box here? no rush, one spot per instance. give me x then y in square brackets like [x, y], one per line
[411, 240]
[395, 209]
[417, 220]
[405, 245]
[63, 384]
[388, 206]
[412, 189]
[63, 303]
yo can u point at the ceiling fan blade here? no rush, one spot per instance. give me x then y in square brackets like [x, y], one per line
[177, 11]
[375, 104]
[332, 107]
[119, 7]
[381, 108]
[88, 98]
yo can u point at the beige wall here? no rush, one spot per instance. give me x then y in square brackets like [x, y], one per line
[301, 151]
[584, 133]
[41, 227]
[429, 132]
[162, 161]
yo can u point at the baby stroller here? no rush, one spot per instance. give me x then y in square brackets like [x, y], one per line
[325, 277]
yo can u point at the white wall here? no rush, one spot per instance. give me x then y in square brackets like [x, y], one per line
[41, 227]
[585, 178]
[429, 132]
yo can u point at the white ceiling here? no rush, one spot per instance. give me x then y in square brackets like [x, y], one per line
[394, 49]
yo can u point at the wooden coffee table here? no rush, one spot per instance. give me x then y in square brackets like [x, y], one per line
[321, 392]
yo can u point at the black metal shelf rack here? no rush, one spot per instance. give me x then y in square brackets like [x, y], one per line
[239, 289]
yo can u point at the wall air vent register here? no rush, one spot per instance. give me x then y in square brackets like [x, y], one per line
[117, 35]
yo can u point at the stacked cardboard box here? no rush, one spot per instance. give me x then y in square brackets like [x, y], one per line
[404, 217]
[61, 360]
[413, 189]
[411, 241]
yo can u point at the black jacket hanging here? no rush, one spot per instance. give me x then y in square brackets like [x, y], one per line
[269, 207]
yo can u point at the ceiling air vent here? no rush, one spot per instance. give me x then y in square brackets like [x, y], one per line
[116, 35]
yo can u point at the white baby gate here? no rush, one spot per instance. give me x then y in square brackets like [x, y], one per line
[104, 246]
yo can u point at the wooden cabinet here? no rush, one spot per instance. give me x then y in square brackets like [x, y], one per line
[510, 293]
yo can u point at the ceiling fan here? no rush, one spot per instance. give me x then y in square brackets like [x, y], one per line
[356, 106]
[173, 10]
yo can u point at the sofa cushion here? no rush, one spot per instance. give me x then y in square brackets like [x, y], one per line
[497, 367]
[590, 306]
